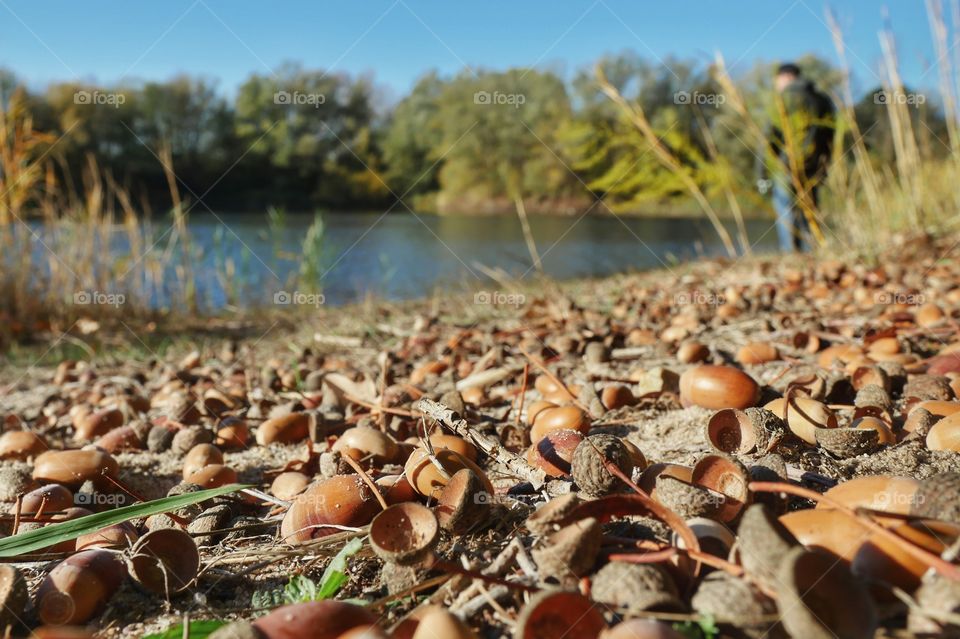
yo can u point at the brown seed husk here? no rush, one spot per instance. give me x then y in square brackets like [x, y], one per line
[847, 442]
[739, 608]
[636, 588]
[588, 469]
[571, 551]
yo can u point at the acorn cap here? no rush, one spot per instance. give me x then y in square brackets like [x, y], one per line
[550, 516]
[731, 431]
[636, 587]
[571, 551]
[404, 533]
[687, 499]
[819, 598]
[763, 542]
[734, 602]
[724, 474]
[847, 442]
[588, 469]
[938, 497]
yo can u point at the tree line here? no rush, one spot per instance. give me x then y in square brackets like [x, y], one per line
[475, 141]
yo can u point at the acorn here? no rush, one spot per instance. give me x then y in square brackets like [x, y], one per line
[441, 623]
[839, 355]
[344, 500]
[945, 434]
[164, 561]
[588, 469]
[404, 534]
[535, 409]
[556, 613]
[819, 598]
[428, 480]
[454, 443]
[122, 439]
[635, 587]
[73, 467]
[233, 433]
[201, 456]
[691, 352]
[286, 429]
[395, 489]
[21, 444]
[327, 619]
[803, 416]
[757, 353]
[186, 438]
[51, 498]
[554, 452]
[97, 424]
[79, 587]
[115, 536]
[288, 485]
[714, 537]
[571, 551]
[616, 396]
[559, 418]
[463, 503]
[362, 443]
[718, 387]
[212, 476]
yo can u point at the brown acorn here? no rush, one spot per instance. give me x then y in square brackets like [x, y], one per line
[718, 387]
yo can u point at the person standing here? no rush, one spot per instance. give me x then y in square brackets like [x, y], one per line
[796, 154]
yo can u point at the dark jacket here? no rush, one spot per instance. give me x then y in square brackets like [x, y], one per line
[812, 117]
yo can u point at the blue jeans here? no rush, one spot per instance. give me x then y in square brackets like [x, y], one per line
[793, 230]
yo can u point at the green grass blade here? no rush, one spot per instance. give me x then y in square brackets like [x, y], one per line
[67, 530]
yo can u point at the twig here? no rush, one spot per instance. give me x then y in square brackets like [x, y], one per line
[449, 419]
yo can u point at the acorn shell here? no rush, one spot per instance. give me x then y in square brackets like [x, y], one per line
[428, 480]
[725, 475]
[803, 416]
[286, 429]
[731, 431]
[463, 503]
[554, 452]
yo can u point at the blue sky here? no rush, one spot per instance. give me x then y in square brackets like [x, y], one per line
[398, 40]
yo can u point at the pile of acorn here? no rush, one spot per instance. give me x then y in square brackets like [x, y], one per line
[504, 473]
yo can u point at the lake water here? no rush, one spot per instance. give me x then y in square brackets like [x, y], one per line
[243, 260]
[402, 256]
